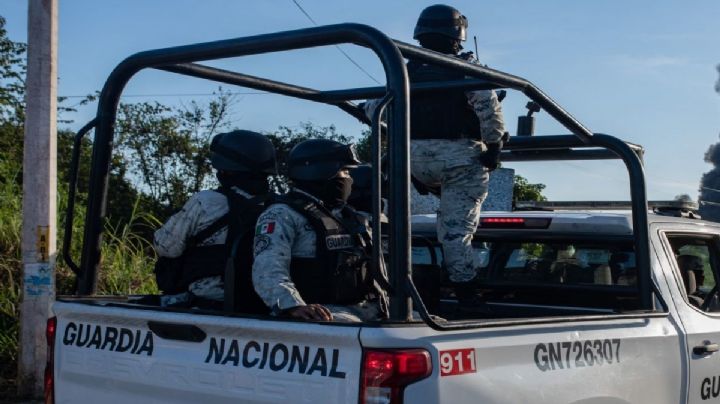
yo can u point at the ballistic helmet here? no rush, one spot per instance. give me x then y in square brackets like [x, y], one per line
[243, 151]
[441, 19]
[320, 159]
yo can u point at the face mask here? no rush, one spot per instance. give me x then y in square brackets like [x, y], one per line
[337, 191]
[333, 192]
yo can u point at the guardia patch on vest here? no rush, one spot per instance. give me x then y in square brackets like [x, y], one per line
[266, 228]
[338, 241]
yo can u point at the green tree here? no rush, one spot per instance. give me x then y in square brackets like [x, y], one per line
[523, 190]
[12, 80]
[164, 151]
[12, 117]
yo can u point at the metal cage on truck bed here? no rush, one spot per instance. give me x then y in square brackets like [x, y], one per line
[582, 144]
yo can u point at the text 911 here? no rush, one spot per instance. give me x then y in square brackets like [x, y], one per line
[457, 362]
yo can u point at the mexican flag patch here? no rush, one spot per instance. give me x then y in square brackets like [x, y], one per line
[266, 228]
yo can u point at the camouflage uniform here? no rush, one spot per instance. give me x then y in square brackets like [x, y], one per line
[283, 233]
[199, 212]
[454, 166]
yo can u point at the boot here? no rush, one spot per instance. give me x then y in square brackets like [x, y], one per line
[466, 294]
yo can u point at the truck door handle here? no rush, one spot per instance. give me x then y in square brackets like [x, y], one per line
[706, 349]
[182, 332]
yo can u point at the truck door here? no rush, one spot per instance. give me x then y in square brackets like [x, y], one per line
[694, 260]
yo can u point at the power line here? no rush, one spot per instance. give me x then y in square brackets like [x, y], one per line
[338, 47]
[304, 12]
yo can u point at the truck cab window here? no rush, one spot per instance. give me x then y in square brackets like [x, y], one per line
[696, 263]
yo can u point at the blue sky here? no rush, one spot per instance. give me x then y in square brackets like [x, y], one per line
[643, 70]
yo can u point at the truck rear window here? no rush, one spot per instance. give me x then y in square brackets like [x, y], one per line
[536, 277]
[561, 263]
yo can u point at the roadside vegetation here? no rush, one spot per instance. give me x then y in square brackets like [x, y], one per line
[161, 157]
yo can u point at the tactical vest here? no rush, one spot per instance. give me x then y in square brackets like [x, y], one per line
[442, 114]
[174, 275]
[339, 273]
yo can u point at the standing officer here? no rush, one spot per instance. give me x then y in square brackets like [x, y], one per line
[192, 243]
[311, 249]
[456, 137]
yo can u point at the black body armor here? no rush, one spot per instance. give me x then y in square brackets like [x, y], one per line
[339, 273]
[440, 114]
[174, 275]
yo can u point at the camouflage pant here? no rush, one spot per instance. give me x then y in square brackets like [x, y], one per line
[453, 165]
[364, 311]
[210, 288]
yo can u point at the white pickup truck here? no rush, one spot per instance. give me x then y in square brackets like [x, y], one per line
[576, 306]
[559, 325]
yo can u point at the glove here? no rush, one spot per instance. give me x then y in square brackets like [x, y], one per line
[490, 158]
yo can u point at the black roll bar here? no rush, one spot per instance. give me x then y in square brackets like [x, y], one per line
[378, 259]
[631, 156]
[72, 189]
[398, 129]
[259, 83]
[183, 60]
[503, 80]
[557, 154]
[338, 98]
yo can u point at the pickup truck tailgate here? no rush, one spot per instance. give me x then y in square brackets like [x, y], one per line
[614, 361]
[119, 355]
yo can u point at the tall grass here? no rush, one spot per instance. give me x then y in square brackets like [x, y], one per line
[10, 264]
[126, 268]
[127, 257]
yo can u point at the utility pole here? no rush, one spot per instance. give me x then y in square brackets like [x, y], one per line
[39, 194]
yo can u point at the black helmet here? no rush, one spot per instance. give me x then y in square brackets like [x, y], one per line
[243, 151]
[443, 20]
[320, 159]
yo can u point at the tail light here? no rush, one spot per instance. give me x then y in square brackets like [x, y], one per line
[385, 373]
[49, 381]
[515, 222]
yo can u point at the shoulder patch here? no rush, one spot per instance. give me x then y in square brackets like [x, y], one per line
[262, 242]
[265, 228]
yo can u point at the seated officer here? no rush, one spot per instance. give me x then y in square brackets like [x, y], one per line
[194, 244]
[690, 267]
[311, 249]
